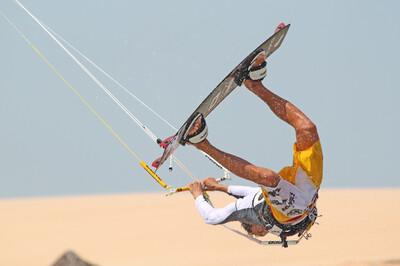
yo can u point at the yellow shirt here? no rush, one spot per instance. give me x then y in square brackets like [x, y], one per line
[307, 166]
[310, 160]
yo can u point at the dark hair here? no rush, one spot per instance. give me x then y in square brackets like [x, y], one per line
[247, 228]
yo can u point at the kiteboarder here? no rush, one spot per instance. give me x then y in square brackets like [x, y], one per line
[285, 202]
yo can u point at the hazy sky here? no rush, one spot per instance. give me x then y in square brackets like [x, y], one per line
[339, 63]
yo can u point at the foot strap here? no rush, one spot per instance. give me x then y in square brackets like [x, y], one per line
[251, 71]
[200, 134]
[258, 72]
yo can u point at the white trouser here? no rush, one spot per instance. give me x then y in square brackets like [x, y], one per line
[242, 210]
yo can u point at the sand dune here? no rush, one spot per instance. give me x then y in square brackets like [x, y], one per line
[358, 227]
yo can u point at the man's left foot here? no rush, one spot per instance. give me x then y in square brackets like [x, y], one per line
[196, 130]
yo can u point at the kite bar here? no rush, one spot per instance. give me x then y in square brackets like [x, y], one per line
[154, 175]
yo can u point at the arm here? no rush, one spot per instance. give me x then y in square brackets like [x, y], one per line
[210, 214]
[242, 191]
[213, 215]
[211, 184]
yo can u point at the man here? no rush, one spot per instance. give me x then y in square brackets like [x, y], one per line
[285, 203]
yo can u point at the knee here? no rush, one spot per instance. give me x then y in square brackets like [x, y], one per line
[306, 136]
[307, 125]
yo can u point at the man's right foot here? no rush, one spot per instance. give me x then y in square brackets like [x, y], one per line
[257, 61]
[257, 71]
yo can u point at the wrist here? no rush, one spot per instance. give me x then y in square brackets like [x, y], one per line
[223, 188]
[199, 197]
[197, 194]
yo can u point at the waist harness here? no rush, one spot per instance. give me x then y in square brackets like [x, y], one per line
[298, 227]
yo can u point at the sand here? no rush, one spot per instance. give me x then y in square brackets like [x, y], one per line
[358, 227]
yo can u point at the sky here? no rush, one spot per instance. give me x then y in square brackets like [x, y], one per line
[339, 64]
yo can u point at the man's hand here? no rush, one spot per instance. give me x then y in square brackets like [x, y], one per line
[211, 184]
[196, 189]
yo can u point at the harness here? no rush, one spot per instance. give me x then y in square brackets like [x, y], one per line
[298, 225]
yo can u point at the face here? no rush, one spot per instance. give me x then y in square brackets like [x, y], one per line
[258, 230]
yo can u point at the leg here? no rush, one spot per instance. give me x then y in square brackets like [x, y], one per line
[236, 165]
[239, 166]
[306, 131]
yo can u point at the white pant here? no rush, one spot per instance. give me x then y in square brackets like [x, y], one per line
[242, 210]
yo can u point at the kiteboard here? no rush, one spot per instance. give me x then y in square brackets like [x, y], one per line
[224, 88]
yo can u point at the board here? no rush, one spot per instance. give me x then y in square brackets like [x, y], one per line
[223, 89]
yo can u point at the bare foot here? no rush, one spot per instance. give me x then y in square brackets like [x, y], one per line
[258, 61]
[196, 126]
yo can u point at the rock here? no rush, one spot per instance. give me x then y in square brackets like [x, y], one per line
[70, 258]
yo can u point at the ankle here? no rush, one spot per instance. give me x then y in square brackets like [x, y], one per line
[201, 145]
[252, 84]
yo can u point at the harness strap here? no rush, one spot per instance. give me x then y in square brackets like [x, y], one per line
[296, 225]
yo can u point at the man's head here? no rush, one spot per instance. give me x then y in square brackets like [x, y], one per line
[255, 229]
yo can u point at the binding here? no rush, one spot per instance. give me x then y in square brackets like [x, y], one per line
[200, 134]
[249, 71]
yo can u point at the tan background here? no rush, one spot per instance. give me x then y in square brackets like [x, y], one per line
[358, 227]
